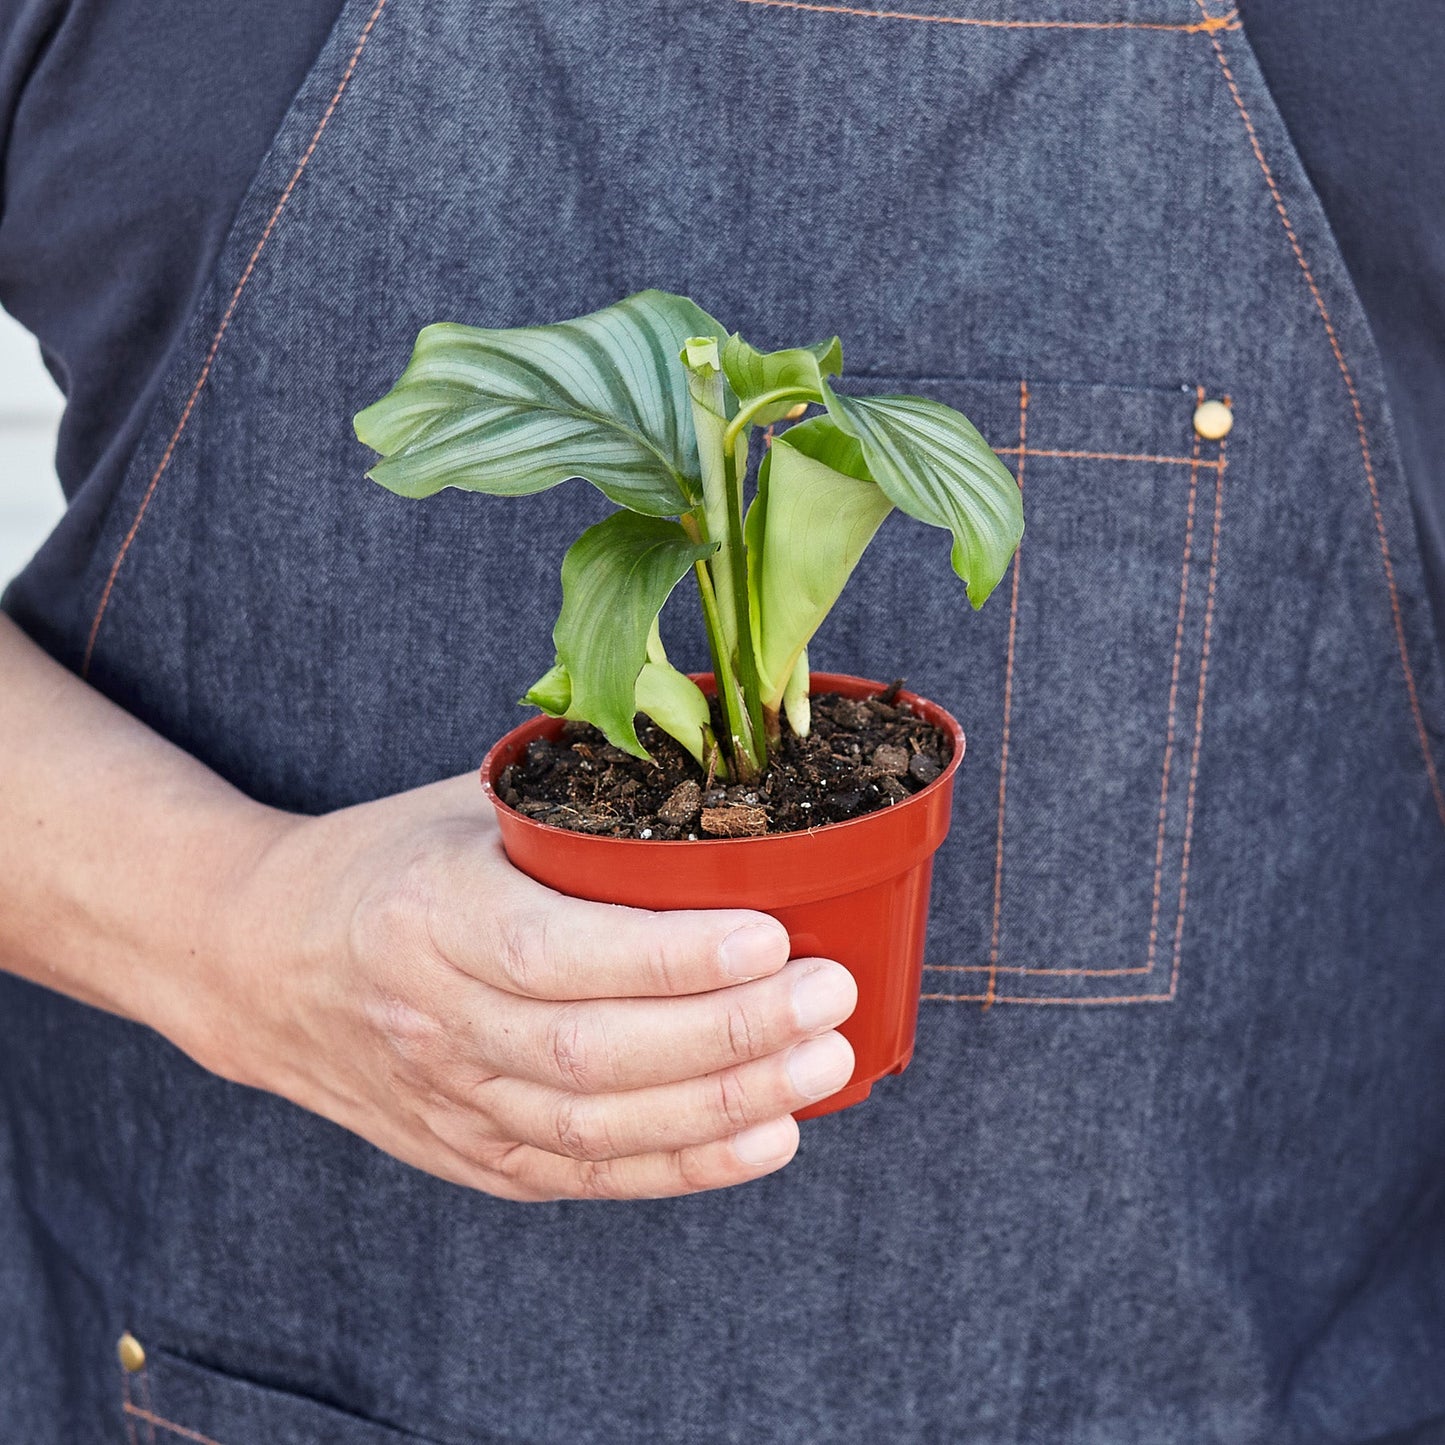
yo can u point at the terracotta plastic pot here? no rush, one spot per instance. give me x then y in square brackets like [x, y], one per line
[855, 891]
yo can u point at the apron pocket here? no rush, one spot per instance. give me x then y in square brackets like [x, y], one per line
[1081, 685]
[172, 1400]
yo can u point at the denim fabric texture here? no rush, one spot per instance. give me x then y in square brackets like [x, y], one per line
[1169, 1166]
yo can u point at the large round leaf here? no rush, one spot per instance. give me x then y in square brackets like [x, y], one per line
[602, 397]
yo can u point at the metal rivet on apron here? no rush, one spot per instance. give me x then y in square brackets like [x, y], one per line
[132, 1356]
[1213, 419]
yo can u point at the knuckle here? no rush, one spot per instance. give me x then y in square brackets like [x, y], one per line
[415, 1044]
[513, 1178]
[390, 919]
[695, 1171]
[518, 950]
[530, 954]
[579, 1132]
[484, 1095]
[745, 1034]
[570, 1050]
[732, 1105]
[663, 961]
[599, 1179]
[509, 1163]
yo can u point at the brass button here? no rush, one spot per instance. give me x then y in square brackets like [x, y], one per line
[1213, 419]
[132, 1356]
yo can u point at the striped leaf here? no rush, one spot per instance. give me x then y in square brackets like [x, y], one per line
[514, 411]
[615, 578]
[934, 465]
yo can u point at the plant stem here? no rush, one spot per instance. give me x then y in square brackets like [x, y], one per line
[773, 721]
[738, 559]
[745, 762]
[757, 404]
[717, 577]
[765, 727]
[724, 577]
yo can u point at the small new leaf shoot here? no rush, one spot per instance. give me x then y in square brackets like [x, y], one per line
[771, 385]
[670, 698]
[552, 692]
[678, 706]
[796, 700]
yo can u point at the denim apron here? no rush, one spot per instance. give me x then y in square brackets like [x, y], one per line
[1169, 1167]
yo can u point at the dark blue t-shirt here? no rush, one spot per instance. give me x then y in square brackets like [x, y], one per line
[131, 129]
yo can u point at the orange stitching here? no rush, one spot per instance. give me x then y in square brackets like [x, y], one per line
[1164, 785]
[1082, 1002]
[1008, 692]
[153, 1420]
[1198, 727]
[1038, 972]
[145, 1384]
[991, 997]
[1208, 26]
[1173, 700]
[1348, 375]
[1110, 457]
[165, 460]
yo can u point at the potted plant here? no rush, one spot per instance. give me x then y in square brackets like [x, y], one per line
[658, 406]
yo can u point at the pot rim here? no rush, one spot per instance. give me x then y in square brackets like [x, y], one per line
[819, 682]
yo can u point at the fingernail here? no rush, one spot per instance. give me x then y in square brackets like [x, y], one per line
[822, 997]
[820, 1066]
[765, 1143]
[753, 950]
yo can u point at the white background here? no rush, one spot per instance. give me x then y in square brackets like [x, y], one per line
[30, 499]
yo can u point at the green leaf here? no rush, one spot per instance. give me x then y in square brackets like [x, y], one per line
[514, 411]
[819, 509]
[702, 356]
[801, 369]
[552, 692]
[615, 578]
[670, 698]
[796, 699]
[674, 701]
[677, 705]
[934, 465]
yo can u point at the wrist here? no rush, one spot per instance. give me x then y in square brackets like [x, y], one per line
[224, 961]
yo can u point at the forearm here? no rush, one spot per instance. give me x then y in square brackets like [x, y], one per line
[385, 966]
[119, 853]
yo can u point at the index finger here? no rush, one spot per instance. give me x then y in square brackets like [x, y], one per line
[530, 940]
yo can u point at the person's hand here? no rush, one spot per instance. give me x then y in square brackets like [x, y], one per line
[386, 967]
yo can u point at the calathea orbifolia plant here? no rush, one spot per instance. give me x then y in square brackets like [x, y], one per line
[655, 404]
